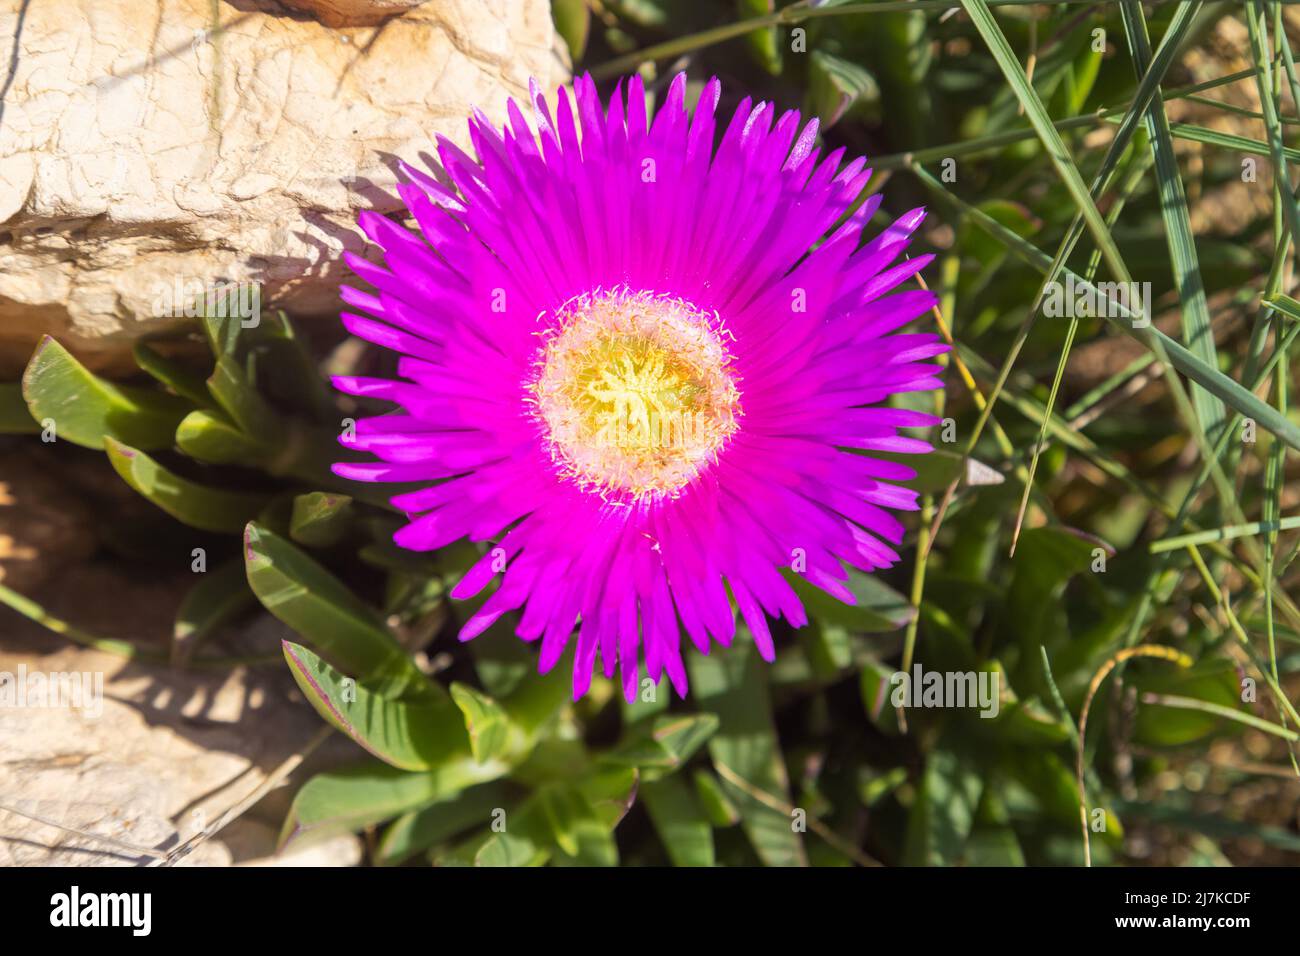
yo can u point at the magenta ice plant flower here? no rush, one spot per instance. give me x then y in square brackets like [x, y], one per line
[648, 373]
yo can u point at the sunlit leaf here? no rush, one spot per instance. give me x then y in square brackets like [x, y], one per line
[200, 506]
[86, 409]
[333, 620]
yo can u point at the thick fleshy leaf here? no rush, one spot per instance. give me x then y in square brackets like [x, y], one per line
[171, 374]
[682, 826]
[86, 409]
[425, 734]
[573, 22]
[580, 833]
[358, 796]
[1214, 681]
[418, 830]
[682, 735]
[993, 841]
[570, 822]
[1046, 559]
[486, 722]
[1028, 723]
[519, 835]
[836, 85]
[830, 648]
[15, 416]
[509, 850]
[241, 401]
[212, 437]
[714, 802]
[877, 688]
[199, 506]
[1050, 782]
[664, 744]
[284, 368]
[333, 620]
[320, 518]
[535, 702]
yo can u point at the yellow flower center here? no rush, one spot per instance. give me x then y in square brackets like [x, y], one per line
[635, 393]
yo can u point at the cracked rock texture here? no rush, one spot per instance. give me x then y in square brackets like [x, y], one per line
[95, 747]
[103, 758]
[144, 150]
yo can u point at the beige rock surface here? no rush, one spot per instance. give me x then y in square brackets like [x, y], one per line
[139, 752]
[142, 145]
[157, 757]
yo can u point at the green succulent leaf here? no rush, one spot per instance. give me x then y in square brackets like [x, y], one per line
[993, 841]
[285, 369]
[717, 807]
[418, 830]
[836, 86]
[358, 796]
[236, 395]
[582, 837]
[681, 824]
[425, 734]
[486, 722]
[199, 506]
[573, 22]
[172, 374]
[510, 850]
[877, 688]
[666, 744]
[338, 624]
[1214, 681]
[943, 815]
[320, 518]
[15, 416]
[213, 438]
[86, 409]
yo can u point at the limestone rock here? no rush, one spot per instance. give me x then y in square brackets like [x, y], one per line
[149, 761]
[144, 148]
[139, 752]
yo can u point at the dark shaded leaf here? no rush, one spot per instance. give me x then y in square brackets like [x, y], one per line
[732, 685]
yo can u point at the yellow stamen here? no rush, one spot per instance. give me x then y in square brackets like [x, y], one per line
[635, 393]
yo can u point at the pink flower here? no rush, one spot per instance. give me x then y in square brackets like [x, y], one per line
[624, 365]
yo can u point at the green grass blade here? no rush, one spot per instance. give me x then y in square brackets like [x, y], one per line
[1197, 331]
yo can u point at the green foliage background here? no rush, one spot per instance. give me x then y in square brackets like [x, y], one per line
[1099, 532]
